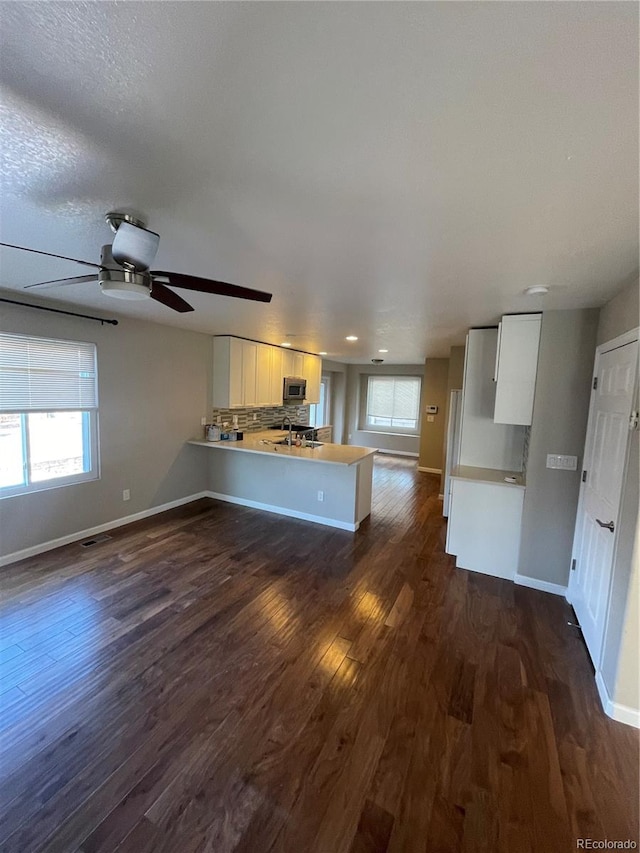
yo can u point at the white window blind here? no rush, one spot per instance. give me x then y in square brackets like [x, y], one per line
[44, 374]
[393, 401]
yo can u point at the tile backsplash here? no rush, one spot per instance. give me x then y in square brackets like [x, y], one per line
[265, 417]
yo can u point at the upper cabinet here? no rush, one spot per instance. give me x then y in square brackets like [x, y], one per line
[249, 374]
[516, 368]
[312, 372]
[235, 364]
[293, 363]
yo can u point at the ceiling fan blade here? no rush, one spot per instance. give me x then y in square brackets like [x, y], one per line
[49, 255]
[205, 285]
[60, 282]
[162, 294]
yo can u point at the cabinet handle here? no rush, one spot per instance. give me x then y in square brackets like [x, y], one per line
[610, 526]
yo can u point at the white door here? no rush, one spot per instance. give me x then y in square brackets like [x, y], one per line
[605, 460]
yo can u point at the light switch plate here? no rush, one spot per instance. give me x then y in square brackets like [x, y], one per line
[562, 462]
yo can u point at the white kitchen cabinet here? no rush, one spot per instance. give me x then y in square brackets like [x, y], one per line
[235, 363]
[483, 442]
[483, 531]
[248, 374]
[277, 375]
[264, 388]
[292, 363]
[516, 368]
[312, 372]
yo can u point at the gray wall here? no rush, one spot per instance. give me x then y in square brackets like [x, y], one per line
[295, 483]
[154, 386]
[337, 372]
[434, 392]
[620, 314]
[560, 411]
[364, 438]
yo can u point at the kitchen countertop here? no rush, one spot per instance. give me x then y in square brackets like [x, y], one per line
[488, 475]
[263, 442]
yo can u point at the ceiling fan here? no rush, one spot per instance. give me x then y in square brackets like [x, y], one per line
[124, 272]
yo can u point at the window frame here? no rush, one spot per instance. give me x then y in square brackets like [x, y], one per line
[90, 434]
[364, 426]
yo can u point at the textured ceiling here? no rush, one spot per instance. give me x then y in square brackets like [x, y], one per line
[394, 171]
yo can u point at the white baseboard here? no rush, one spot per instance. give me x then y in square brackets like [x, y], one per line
[543, 586]
[622, 713]
[397, 452]
[429, 470]
[290, 513]
[34, 550]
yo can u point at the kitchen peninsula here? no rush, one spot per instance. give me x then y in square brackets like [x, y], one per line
[329, 484]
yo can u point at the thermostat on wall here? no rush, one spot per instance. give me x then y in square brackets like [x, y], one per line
[432, 410]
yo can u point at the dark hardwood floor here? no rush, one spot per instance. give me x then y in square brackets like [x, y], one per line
[221, 679]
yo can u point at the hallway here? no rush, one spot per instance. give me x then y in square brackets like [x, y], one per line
[221, 679]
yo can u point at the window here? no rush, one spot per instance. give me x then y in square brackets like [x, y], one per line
[48, 413]
[319, 412]
[392, 404]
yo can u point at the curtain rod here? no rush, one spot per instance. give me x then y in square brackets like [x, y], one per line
[100, 320]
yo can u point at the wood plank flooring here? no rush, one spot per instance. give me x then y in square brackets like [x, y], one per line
[220, 679]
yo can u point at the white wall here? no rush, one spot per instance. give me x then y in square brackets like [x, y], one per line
[154, 386]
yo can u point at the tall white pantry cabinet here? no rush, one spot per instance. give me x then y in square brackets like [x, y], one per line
[485, 515]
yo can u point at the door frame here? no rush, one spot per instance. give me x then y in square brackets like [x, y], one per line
[629, 337]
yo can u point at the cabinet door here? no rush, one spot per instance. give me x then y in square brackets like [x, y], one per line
[517, 368]
[263, 375]
[484, 527]
[236, 384]
[249, 373]
[312, 372]
[277, 375]
[293, 363]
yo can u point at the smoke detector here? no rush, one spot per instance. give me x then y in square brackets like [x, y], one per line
[536, 290]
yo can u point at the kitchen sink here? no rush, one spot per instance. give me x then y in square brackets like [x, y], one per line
[311, 444]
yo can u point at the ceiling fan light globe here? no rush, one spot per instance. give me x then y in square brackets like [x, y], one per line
[122, 284]
[121, 290]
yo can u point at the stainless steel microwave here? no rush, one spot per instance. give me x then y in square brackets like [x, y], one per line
[295, 389]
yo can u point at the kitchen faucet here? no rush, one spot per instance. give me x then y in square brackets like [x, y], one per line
[287, 418]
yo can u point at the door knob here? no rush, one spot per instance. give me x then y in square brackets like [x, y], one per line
[610, 526]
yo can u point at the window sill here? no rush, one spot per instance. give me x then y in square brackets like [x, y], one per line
[384, 432]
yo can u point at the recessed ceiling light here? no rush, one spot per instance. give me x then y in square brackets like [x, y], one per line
[322, 353]
[285, 344]
[383, 350]
[351, 338]
[536, 290]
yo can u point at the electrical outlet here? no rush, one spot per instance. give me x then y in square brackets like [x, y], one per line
[562, 462]
[126, 494]
[430, 419]
[320, 495]
[203, 421]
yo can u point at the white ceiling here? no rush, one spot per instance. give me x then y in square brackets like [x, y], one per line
[397, 171]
